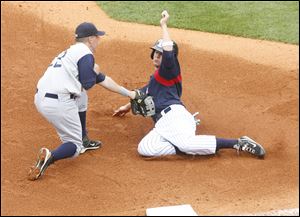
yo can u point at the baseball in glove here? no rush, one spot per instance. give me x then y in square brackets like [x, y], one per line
[142, 104]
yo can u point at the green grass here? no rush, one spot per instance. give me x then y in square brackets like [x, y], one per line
[276, 21]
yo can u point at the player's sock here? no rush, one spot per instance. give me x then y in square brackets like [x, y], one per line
[82, 116]
[225, 143]
[65, 150]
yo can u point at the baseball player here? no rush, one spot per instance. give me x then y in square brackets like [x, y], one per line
[61, 97]
[175, 127]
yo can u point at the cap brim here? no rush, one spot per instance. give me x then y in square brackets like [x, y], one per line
[157, 49]
[100, 33]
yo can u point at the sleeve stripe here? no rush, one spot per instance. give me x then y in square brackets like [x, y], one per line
[165, 82]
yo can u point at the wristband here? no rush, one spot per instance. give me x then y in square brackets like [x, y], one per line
[124, 91]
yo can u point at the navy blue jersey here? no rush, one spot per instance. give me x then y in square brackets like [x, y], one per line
[165, 85]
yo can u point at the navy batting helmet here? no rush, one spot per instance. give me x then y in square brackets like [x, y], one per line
[158, 46]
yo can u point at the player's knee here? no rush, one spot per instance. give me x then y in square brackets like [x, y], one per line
[144, 151]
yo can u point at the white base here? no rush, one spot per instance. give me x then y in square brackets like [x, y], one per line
[180, 210]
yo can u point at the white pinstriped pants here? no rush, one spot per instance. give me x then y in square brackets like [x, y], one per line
[176, 128]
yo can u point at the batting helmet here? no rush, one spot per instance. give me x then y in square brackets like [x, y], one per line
[158, 46]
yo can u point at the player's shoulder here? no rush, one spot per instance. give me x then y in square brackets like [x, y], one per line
[79, 50]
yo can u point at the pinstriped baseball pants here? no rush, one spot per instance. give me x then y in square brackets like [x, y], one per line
[176, 128]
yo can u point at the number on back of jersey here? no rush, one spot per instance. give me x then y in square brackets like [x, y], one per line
[57, 61]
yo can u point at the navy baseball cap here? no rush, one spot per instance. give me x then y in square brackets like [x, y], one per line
[87, 29]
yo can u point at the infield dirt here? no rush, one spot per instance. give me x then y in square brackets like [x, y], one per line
[240, 87]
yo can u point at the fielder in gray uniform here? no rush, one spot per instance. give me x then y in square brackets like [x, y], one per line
[61, 97]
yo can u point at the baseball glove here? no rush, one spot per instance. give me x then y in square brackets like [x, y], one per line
[142, 104]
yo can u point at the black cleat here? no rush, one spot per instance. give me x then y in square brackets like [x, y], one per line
[249, 145]
[89, 144]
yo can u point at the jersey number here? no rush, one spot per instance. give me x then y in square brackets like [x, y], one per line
[57, 63]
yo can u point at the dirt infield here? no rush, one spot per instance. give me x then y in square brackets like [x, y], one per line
[239, 86]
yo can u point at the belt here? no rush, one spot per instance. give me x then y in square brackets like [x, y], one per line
[158, 116]
[55, 96]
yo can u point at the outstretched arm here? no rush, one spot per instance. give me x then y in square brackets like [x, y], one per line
[169, 68]
[167, 42]
[122, 110]
[111, 85]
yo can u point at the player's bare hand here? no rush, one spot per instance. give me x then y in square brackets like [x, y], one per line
[120, 112]
[164, 17]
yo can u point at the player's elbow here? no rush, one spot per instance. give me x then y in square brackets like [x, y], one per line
[88, 85]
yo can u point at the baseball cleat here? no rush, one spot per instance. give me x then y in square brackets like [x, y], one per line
[89, 144]
[249, 145]
[45, 158]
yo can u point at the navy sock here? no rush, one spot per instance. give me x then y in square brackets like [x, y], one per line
[82, 116]
[225, 143]
[65, 150]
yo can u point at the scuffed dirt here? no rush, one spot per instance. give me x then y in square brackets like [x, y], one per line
[240, 87]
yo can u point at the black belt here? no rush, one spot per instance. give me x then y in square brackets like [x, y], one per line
[55, 96]
[158, 116]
